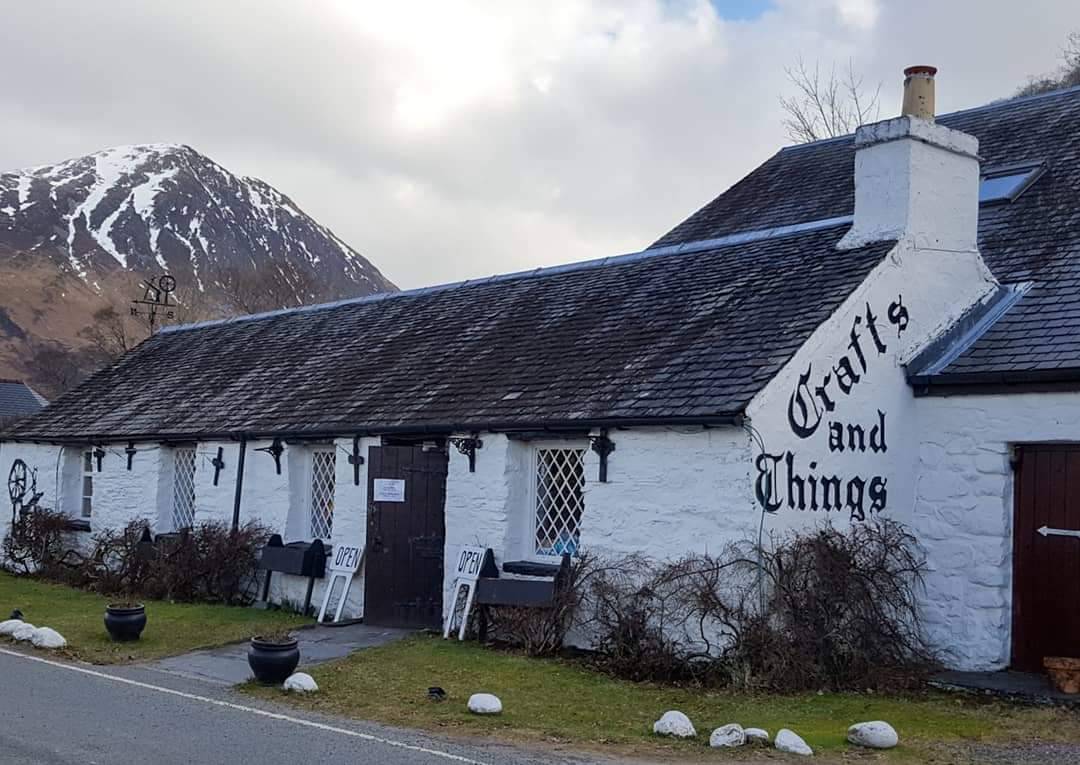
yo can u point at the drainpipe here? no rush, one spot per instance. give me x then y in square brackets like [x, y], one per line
[239, 484]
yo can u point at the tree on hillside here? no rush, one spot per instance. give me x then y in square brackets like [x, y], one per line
[1066, 76]
[113, 334]
[257, 291]
[824, 106]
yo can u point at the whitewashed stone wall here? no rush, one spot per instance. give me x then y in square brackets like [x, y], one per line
[669, 492]
[964, 513]
[853, 363]
[145, 492]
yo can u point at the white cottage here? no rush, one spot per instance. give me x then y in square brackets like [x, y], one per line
[883, 324]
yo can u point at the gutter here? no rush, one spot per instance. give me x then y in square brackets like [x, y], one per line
[436, 429]
[239, 484]
[975, 383]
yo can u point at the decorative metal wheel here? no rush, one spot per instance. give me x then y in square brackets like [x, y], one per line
[17, 482]
[167, 283]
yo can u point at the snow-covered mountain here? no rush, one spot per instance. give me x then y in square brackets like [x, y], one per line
[81, 234]
[164, 207]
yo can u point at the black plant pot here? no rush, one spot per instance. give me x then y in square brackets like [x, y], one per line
[273, 662]
[125, 623]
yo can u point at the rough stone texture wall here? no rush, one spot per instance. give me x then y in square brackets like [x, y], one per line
[670, 492]
[145, 492]
[478, 504]
[964, 513]
[39, 457]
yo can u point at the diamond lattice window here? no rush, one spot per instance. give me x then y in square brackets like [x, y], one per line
[322, 493]
[183, 514]
[560, 499]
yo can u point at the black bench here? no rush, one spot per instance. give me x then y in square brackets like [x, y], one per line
[539, 591]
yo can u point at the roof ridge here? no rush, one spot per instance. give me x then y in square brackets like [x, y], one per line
[1000, 103]
[682, 248]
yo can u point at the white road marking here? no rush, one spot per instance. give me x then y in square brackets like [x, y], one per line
[242, 708]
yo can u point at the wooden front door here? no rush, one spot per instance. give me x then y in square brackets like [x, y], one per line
[406, 528]
[1046, 555]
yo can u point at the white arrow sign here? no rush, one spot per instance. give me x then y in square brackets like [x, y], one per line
[1046, 531]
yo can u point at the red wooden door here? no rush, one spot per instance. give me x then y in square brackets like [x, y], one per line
[1046, 557]
[403, 573]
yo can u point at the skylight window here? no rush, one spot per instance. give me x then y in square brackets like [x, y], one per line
[1004, 184]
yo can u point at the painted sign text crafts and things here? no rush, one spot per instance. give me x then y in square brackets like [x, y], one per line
[781, 479]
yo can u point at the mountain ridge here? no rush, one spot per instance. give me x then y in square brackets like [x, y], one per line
[93, 227]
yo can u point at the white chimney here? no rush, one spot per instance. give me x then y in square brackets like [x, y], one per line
[915, 180]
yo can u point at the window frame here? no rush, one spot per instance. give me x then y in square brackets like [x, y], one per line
[177, 451]
[314, 453]
[86, 473]
[1032, 170]
[534, 490]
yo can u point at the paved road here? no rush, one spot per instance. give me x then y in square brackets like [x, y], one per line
[55, 713]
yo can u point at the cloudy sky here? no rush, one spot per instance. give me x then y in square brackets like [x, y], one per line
[447, 140]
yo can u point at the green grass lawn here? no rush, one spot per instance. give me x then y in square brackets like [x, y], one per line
[562, 701]
[171, 628]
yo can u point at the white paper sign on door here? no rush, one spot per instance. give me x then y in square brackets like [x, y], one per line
[389, 490]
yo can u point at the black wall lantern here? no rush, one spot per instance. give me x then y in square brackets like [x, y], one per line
[275, 450]
[603, 446]
[99, 455]
[468, 447]
[130, 451]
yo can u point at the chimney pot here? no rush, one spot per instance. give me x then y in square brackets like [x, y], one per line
[919, 92]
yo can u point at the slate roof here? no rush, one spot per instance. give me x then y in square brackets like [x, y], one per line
[1035, 238]
[679, 337]
[17, 399]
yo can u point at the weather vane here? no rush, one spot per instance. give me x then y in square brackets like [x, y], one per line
[156, 298]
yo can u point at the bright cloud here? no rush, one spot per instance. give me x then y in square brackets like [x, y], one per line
[454, 139]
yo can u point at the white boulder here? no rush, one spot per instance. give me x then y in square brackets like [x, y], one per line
[674, 723]
[484, 704]
[9, 626]
[876, 734]
[728, 736]
[756, 735]
[791, 742]
[46, 637]
[301, 682]
[24, 631]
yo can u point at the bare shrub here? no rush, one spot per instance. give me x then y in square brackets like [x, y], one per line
[208, 562]
[840, 611]
[829, 609]
[39, 542]
[542, 631]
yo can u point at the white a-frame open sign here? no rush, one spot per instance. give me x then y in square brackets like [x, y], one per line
[469, 565]
[346, 562]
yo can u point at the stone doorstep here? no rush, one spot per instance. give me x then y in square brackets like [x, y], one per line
[227, 665]
[1023, 687]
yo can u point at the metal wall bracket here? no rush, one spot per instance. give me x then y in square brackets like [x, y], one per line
[130, 451]
[603, 446]
[99, 455]
[275, 450]
[219, 464]
[356, 460]
[468, 446]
